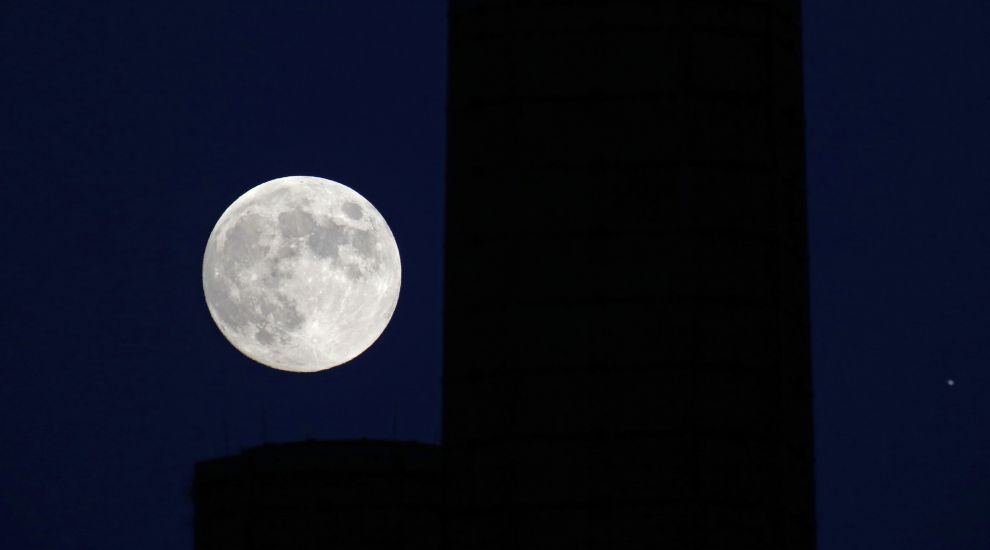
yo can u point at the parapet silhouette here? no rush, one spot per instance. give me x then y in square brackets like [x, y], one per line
[354, 494]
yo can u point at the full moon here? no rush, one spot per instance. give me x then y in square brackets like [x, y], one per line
[301, 274]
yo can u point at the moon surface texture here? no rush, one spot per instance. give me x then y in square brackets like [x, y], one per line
[301, 274]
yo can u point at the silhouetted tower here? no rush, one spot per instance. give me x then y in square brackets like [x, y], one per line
[627, 339]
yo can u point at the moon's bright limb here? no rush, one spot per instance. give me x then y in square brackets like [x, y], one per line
[301, 274]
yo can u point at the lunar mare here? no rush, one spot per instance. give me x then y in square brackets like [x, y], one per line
[301, 274]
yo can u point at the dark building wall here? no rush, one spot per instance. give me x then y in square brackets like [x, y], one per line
[627, 342]
[320, 495]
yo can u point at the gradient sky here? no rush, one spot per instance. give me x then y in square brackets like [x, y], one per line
[126, 129]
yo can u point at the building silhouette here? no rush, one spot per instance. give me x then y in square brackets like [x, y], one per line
[352, 494]
[626, 320]
[627, 358]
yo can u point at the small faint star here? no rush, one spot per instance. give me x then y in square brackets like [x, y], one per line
[950, 382]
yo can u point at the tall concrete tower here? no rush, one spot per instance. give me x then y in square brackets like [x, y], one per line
[627, 338]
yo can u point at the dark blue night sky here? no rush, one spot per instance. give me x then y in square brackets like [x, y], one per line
[126, 129]
[898, 109]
